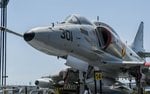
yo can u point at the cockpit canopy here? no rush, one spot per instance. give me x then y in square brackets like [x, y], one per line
[76, 19]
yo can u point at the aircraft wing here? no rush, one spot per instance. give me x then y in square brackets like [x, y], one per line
[108, 58]
[144, 54]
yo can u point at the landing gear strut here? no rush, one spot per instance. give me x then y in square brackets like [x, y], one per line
[130, 81]
[137, 73]
[138, 80]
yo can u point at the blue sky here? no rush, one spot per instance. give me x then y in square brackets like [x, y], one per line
[25, 64]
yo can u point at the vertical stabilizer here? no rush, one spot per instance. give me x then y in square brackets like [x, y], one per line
[137, 44]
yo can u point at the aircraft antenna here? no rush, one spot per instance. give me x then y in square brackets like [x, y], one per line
[53, 24]
[98, 18]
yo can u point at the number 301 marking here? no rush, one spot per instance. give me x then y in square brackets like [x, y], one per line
[67, 35]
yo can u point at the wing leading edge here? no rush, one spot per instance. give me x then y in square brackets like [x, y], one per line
[110, 59]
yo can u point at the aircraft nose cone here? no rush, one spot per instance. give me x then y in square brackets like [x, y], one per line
[29, 36]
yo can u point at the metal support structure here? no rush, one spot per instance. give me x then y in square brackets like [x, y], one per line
[95, 85]
[26, 90]
[81, 82]
[3, 42]
[130, 83]
[138, 80]
[100, 85]
[98, 77]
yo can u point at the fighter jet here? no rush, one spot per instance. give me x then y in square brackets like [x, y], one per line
[84, 43]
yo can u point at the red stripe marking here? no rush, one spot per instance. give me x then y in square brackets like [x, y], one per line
[147, 64]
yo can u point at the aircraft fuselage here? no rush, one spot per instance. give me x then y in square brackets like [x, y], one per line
[96, 43]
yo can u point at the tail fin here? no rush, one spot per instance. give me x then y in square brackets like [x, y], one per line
[137, 44]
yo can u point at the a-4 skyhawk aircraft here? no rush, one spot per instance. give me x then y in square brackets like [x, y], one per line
[83, 43]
